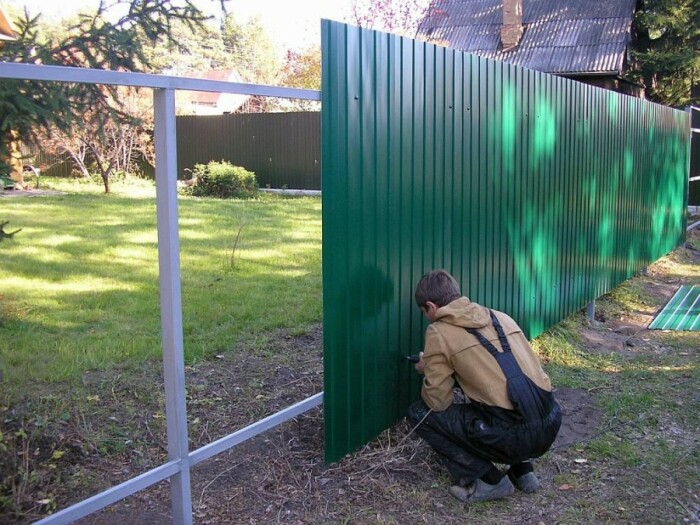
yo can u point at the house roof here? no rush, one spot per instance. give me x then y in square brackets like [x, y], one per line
[228, 75]
[560, 36]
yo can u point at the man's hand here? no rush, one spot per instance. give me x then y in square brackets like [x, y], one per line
[420, 365]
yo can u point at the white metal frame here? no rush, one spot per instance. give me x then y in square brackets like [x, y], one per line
[180, 459]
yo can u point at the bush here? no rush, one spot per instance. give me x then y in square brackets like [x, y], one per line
[224, 180]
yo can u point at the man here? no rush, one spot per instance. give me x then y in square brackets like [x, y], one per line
[511, 416]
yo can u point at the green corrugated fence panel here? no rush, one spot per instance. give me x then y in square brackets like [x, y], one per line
[538, 193]
[682, 312]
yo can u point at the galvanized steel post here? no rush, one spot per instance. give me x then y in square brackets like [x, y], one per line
[590, 311]
[171, 302]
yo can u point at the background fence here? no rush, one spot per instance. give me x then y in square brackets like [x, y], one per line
[50, 164]
[538, 193]
[694, 184]
[283, 149]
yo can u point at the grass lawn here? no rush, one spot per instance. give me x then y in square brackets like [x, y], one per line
[79, 283]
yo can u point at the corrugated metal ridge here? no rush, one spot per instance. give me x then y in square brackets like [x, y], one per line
[541, 59]
[682, 312]
[588, 50]
[575, 36]
[623, 22]
[537, 193]
[575, 9]
[612, 30]
[491, 10]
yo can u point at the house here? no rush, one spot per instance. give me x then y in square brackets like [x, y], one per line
[207, 103]
[586, 40]
[7, 32]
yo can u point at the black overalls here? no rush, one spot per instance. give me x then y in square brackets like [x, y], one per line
[470, 436]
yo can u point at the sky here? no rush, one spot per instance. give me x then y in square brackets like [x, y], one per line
[293, 24]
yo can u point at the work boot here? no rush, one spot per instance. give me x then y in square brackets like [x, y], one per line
[482, 491]
[527, 482]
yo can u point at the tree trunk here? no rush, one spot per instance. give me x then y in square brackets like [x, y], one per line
[15, 160]
[78, 159]
[99, 160]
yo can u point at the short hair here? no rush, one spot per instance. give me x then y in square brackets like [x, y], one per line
[438, 287]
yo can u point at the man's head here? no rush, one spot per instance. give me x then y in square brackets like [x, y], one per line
[437, 287]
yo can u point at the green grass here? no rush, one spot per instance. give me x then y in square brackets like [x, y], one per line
[79, 283]
[640, 464]
[567, 364]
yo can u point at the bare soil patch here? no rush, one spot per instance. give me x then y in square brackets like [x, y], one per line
[28, 193]
[280, 477]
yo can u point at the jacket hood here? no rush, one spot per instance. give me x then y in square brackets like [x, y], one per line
[462, 312]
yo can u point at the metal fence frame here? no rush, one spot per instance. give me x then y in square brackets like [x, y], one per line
[180, 459]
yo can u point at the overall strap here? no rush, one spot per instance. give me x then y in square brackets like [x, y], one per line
[529, 400]
[506, 361]
[501, 334]
[484, 342]
[505, 345]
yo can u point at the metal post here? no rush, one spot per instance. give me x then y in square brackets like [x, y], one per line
[171, 302]
[590, 311]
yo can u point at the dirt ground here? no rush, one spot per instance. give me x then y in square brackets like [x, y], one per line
[27, 193]
[280, 476]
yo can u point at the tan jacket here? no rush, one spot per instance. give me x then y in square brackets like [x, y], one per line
[451, 353]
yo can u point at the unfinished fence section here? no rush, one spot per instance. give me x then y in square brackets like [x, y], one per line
[283, 149]
[180, 459]
[538, 193]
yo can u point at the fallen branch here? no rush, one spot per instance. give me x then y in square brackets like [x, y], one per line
[4, 234]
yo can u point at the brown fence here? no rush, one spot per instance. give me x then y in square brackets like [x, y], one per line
[694, 183]
[49, 164]
[283, 149]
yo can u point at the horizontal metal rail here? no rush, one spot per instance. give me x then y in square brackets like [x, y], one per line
[153, 476]
[112, 495]
[216, 447]
[119, 78]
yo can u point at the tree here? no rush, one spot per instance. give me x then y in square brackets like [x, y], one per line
[303, 68]
[121, 146]
[190, 50]
[303, 71]
[255, 54]
[394, 16]
[28, 107]
[666, 52]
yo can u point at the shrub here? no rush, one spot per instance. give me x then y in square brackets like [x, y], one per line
[224, 180]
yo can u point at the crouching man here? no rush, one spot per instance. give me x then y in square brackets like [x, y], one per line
[511, 415]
